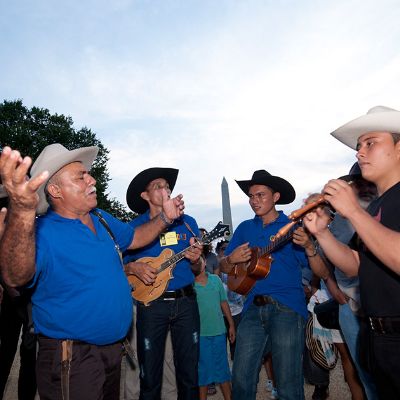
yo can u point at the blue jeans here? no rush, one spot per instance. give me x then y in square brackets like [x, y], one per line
[284, 329]
[181, 316]
[350, 327]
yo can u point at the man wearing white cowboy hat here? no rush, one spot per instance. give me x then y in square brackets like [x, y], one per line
[374, 254]
[274, 313]
[82, 300]
[176, 308]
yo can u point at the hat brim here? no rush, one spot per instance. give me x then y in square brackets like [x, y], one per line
[139, 183]
[315, 348]
[85, 155]
[277, 184]
[349, 178]
[386, 121]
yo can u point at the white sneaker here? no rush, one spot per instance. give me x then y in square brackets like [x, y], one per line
[269, 385]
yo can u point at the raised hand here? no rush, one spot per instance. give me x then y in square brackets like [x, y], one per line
[172, 207]
[22, 191]
[316, 221]
[342, 197]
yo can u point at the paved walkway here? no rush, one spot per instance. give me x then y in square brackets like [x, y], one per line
[338, 388]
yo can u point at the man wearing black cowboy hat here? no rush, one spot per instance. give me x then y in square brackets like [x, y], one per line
[69, 255]
[274, 312]
[176, 309]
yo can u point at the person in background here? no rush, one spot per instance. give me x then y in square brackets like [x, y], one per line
[235, 300]
[350, 310]
[213, 359]
[211, 258]
[16, 314]
[328, 289]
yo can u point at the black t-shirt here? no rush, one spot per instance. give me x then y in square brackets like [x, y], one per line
[379, 285]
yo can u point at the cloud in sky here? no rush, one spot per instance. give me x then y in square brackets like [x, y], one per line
[213, 88]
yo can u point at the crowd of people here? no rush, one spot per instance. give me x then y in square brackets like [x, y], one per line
[74, 278]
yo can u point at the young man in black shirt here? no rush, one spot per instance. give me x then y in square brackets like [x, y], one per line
[374, 254]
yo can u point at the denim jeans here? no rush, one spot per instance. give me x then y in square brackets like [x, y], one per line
[181, 316]
[284, 329]
[350, 327]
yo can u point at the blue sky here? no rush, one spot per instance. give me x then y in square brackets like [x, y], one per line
[214, 88]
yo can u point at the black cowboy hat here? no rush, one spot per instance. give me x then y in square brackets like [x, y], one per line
[140, 182]
[354, 173]
[277, 184]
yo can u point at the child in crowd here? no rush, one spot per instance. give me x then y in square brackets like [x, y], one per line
[213, 360]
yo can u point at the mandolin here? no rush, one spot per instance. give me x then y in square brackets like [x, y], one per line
[165, 264]
[244, 275]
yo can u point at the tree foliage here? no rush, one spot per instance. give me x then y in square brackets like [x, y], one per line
[31, 130]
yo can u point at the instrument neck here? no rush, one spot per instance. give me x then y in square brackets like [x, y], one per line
[278, 241]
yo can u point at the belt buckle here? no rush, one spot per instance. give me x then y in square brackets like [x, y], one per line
[377, 324]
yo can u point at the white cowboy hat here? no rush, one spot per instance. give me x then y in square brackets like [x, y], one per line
[377, 119]
[52, 159]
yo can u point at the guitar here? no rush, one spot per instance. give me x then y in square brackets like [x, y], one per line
[244, 275]
[165, 264]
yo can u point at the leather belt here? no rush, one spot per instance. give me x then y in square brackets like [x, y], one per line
[384, 325]
[260, 300]
[177, 293]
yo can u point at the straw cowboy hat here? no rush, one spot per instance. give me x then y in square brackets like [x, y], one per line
[316, 350]
[377, 119]
[277, 184]
[140, 182]
[52, 159]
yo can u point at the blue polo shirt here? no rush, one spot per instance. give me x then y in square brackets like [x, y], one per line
[284, 282]
[80, 289]
[179, 236]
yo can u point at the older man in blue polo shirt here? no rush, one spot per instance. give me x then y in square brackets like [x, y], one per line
[274, 312]
[69, 255]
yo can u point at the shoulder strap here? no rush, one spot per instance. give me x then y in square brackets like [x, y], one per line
[127, 346]
[109, 231]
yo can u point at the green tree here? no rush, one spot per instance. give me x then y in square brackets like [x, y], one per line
[29, 131]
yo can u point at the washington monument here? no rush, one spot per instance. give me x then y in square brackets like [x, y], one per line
[226, 206]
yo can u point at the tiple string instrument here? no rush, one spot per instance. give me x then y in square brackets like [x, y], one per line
[244, 275]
